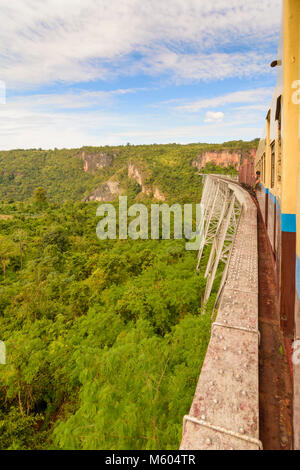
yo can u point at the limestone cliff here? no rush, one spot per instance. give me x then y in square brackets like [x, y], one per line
[94, 161]
[224, 158]
[157, 194]
[106, 192]
[136, 173]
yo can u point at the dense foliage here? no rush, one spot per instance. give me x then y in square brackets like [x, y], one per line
[60, 172]
[105, 339]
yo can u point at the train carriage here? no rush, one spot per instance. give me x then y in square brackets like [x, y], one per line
[278, 193]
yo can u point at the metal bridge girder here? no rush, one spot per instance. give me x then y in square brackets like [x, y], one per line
[221, 211]
[214, 206]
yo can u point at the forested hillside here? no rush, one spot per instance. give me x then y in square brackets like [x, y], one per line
[60, 172]
[105, 339]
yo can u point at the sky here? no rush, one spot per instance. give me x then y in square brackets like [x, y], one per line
[109, 72]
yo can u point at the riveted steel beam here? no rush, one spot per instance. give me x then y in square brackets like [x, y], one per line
[220, 214]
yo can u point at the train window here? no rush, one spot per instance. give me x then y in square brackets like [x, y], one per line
[278, 108]
[272, 164]
[278, 118]
[268, 141]
[263, 167]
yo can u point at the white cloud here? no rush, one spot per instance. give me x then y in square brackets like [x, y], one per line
[74, 41]
[184, 41]
[49, 121]
[256, 96]
[188, 133]
[214, 117]
[23, 126]
[71, 100]
[216, 66]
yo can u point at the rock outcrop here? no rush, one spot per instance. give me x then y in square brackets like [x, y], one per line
[224, 158]
[95, 161]
[157, 194]
[135, 173]
[106, 192]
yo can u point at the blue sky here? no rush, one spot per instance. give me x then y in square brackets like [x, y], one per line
[99, 72]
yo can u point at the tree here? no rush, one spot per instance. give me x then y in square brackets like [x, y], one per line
[20, 237]
[57, 237]
[40, 197]
[7, 251]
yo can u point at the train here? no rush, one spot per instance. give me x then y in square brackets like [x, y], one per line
[276, 171]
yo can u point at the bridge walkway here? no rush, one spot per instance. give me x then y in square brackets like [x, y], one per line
[225, 409]
[243, 400]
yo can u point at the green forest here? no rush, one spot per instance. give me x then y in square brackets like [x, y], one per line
[105, 339]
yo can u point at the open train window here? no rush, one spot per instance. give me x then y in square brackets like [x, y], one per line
[273, 164]
[268, 118]
[278, 118]
[278, 108]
